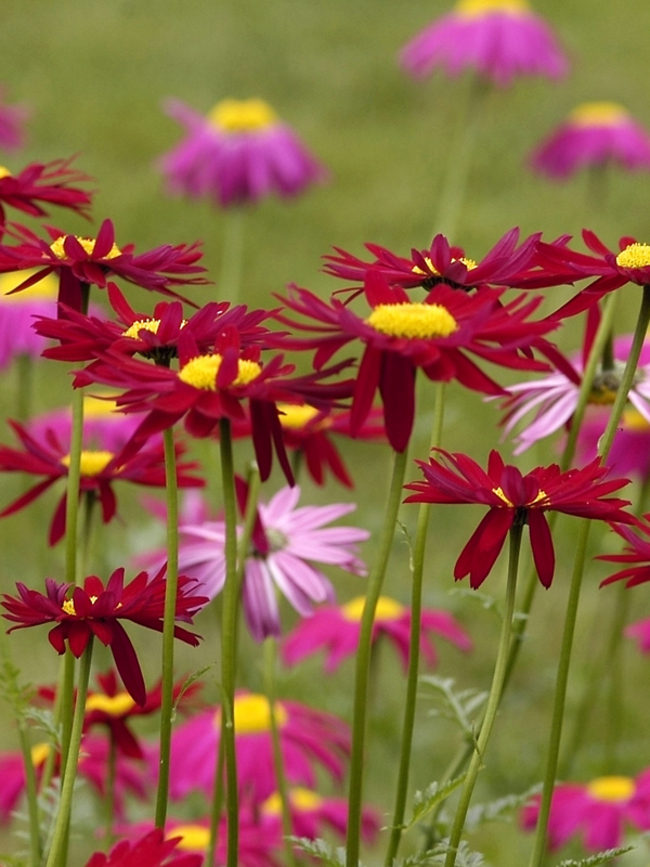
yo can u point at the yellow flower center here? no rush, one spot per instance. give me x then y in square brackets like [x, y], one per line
[500, 494]
[114, 705]
[4, 172]
[253, 714]
[633, 420]
[151, 325]
[597, 114]
[301, 799]
[415, 321]
[194, 838]
[294, 417]
[612, 789]
[476, 8]
[92, 463]
[39, 753]
[470, 264]
[387, 609]
[68, 605]
[87, 243]
[201, 372]
[46, 288]
[97, 407]
[242, 115]
[634, 256]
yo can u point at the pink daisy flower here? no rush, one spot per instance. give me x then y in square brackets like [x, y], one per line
[17, 312]
[308, 738]
[498, 39]
[336, 630]
[241, 152]
[12, 120]
[286, 541]
[598, 810]
[595, 133]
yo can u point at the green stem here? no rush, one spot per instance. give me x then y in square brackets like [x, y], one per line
[414, 648]
[232, 254]
[373, 592]
[216, 806]
[169, 617]
[494, 697]
[25, 378]
[58, 855]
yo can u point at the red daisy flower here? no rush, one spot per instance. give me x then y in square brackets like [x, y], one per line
[513, 497]
[636, 554]
[436, 335]
[97, 610]
[82, 262]
[44, 183]
[152, 850]
[48, 457]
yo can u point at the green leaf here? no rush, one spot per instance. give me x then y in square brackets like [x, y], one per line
[424, 802]
[599, 858]
[322, 851]
[500, 810]
[459, 707]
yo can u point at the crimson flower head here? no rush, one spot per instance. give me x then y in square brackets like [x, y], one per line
[82, 262]
[79, 613]
[515, 498]
[43, 184]
[636, 556]
[152, 850]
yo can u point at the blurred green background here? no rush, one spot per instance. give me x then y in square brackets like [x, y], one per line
[95, 74]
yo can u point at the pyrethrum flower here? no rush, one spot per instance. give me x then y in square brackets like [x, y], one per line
[287, 541]
[636, 554]
[94, 610]
[17, 312]
[498, 39]
[599, 811]
[336, 630]
[43, 184]
[12, 121]
[151, 850]
[594, 134]
[241, 152]
[511, 496]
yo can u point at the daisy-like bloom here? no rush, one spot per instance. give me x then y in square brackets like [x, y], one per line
[630, 452]
[599, 810]
[95, 610]
[12, 121]
[286, 541]
[308, 738]
[512, 497]
[241, 152]
[336, 630]
[17, 312]
[151, 850]
[441, 263]
[49, 457]
[44, 184]
[437, 335]
[500, 40]
[595, 134]
[81, 262]
[311, 814]
[636, 554]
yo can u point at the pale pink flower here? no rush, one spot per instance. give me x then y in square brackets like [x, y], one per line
[12, 121]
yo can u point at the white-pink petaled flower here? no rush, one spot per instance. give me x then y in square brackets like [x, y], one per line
[286, 542]
[12, 122]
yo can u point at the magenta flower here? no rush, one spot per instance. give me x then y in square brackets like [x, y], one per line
[12, 120]
[286, 542]
[636, 555]
[641, 632]
[498, 39]
[241, 152]
[336, 630]
[595, 134]
[308, 738]
[17, 312]
[152, 850]
[513, 497]
[599, 810]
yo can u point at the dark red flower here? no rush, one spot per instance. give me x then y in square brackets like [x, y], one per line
[41, 184]
[95, 610]
[152, 850]
[636, 555]
[513, 497]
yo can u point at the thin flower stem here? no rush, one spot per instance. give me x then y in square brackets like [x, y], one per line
[278, 760]
[373, 592]
[58, 854]
[494, 697]
[232, 253]
[229, 639]
[414, 647]
[169, 616]
[216, 806]
[35, 844]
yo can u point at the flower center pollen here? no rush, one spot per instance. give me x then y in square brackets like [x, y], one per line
[245, 115]
[87, 243]
[476, 8]
[387, 609]
[597, 114]
[542, 495]
[46, 288]
[302, 799]
[113, 705]
[634, 256]
[612, 789]
[194, 838]
[39, 753]
[253, 714]
[92, 463]
[4, 172]
[294, 417]
[201, 372]
[470, 264]
[415, 321]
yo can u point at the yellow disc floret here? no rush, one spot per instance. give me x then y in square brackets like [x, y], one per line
[542, 495]
[113, 705]
[470, 264]
[47, 287]
[201, 372]
[387, 609]
[597, 114]
[139, 325]
[4, 172]
[612, 789]
[194, 838]
[87, 243]
[294, 417]
[476, 8]
[39, 753]
[242, 115]
[634, 256]
[253, 714]
[415, 321]
[68, 607]
[300, 798]
[92, 463]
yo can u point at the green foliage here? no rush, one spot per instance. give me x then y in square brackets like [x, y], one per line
[434, 795]
[460, 707]
[603, 857]
[322, 851]
[500, 810]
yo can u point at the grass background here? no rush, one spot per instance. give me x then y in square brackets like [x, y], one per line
[95, 75]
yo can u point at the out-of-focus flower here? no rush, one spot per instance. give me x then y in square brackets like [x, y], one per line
[95, 610]
[598, 810]
[636, 554]
[498, 39]
[513, 497]
[12, 121]
[241, 152]
[286, 541]
[17, 312]
[336, 630]
[595, 134]
[152, 850]
[48, 457]
[308, 738]
[44, 184]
